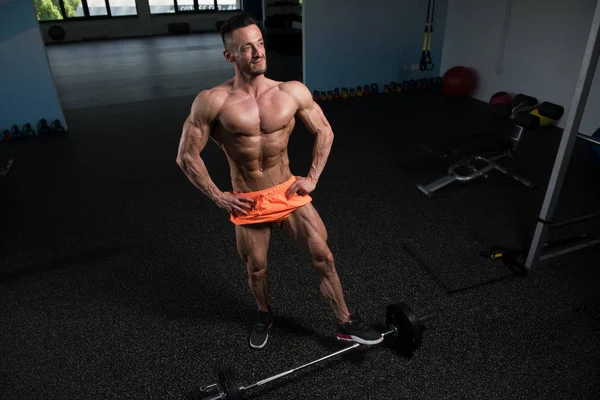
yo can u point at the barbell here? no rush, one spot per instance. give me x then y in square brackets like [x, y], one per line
[402, 324]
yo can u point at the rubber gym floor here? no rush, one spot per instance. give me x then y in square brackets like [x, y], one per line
[120, 280]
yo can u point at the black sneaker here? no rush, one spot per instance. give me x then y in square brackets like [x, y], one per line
[356, 330]
[260, 330]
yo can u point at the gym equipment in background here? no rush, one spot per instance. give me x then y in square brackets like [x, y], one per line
[501, 98]
[565, 148]
[406, 328]
[459, 81]
[509, 110]
[515, 258]
[28, 132]
[544, 121]
[595, 143]
[477, 166]
[426, 64]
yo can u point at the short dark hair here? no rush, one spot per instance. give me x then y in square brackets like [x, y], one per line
[238, 21]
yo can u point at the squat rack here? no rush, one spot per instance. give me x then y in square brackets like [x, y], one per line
[565, 149]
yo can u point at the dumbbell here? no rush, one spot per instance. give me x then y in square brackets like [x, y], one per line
[15, 132]
[57, 127]
[43, 127]
[28, 130]
[520, 102]
[403, 325]
[551, 110]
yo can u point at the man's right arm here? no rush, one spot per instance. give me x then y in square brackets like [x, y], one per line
[196, 132]
[195, 136]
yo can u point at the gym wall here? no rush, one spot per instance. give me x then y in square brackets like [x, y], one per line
[27, 91]
[144, 24]
[543, 49]
[348, 43]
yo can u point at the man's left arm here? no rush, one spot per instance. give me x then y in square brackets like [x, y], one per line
[311, 114]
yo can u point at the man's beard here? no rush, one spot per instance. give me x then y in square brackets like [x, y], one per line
[258, 69]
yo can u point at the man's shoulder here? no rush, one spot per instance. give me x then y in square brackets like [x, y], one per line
[292, 86]
[209, 101]
[214, 94]
[297, 90]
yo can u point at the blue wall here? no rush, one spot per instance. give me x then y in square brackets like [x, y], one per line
[355, 42]
[27, 91]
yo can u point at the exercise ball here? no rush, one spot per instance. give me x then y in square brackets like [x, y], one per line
[501, 98]
[459, 81]
[544, 121]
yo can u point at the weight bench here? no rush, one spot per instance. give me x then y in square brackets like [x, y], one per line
[476, 166]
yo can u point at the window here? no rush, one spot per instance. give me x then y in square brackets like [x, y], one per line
[161, 6]
[177, 6]
[96, 7]
[121, 8]
[206, 5]
[52, 10]
[228, 5]
[185, 5]
[74, 8]
[48, 10]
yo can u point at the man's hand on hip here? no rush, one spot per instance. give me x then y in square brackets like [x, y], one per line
[235, 203]
[303, 186]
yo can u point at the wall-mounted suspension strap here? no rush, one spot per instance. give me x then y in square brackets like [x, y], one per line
[426, 64]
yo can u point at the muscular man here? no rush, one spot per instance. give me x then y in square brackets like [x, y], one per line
[251, 117]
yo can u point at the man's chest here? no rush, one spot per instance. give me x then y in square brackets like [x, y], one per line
[250, 116]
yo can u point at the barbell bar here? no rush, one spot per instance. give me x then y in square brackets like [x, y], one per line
[403, 324]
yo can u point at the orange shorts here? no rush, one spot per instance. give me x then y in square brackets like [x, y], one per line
[271, 205]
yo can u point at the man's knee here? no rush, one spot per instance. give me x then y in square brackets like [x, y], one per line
[256, 264]
[324, 261]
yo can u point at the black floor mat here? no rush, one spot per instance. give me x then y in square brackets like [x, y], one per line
[489, 212]
[120, 280]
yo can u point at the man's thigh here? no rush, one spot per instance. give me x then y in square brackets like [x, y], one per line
[252, 240]
[306, 227]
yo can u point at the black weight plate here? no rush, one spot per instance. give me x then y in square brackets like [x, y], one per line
[551, 110]
[522, 99]
[230, 385]
[409, 329]
[413, 325]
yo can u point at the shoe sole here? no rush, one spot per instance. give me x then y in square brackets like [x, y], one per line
[352, 338]
[261, 345]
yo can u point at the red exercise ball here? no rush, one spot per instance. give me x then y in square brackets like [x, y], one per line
[501, 98]
[459, 81]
